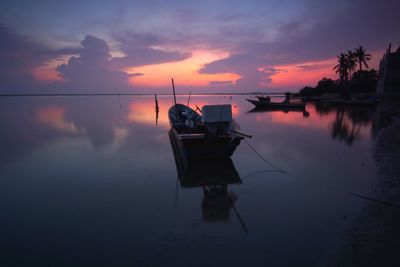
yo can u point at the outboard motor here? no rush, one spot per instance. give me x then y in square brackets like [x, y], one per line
[217, 118]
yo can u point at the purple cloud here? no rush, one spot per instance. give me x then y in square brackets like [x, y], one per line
[258, 37]
[249, 67]
[139, 51]
[18, 56]
[322, 31]
[92, 70]
[313, 66]
[137, 74]
[220, 83]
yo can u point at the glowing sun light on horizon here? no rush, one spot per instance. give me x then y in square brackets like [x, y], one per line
[309, 73]
[305, 73]
[186, 72]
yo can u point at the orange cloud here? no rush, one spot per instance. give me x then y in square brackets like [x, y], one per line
[185, 72]
[302, 74]
[310, 72]
[46, 74]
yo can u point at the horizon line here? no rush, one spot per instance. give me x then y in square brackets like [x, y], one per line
[136, 94]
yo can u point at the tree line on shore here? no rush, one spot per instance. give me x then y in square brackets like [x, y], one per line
[352, 77]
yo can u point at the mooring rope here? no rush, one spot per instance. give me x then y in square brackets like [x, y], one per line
[258, 172]
[266, 161]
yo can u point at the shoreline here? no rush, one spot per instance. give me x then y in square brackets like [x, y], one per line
[372, 239]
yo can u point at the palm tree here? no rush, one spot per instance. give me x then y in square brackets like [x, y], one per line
[362, 57]
[351, 61]
[342, 68]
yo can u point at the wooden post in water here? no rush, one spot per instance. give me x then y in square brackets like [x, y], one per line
[156, 108]
[155, 99]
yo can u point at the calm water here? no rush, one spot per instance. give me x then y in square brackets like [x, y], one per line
[92, 181]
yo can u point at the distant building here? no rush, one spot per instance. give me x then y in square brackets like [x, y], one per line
[389, 73]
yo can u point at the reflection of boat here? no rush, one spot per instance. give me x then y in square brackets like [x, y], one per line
[285, 105]
[324, 97]
[354, 102]
[202, 172]
[262, 110]
[213, 176]
[212, 135]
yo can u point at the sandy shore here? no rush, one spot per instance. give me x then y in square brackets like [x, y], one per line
[374, 236]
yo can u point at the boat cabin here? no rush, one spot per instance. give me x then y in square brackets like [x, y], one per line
[217, 118]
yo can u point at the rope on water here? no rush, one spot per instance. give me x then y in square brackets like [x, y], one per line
[375, 200]
[258, 172]
[263, 159]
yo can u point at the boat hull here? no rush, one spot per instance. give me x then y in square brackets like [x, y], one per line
[203, 147]
[195, 139]
[206, 172]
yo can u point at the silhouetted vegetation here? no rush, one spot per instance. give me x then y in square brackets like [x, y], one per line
[350, 80]
[364, 81]
[324, 86]
[362, 57]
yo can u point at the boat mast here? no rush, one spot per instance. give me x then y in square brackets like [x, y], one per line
[189, 98]
[173, 89]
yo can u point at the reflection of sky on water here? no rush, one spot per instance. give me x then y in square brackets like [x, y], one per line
[92, 181]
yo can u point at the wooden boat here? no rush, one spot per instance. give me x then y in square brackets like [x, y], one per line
[212, 135]
[285, 105]
[264, 98]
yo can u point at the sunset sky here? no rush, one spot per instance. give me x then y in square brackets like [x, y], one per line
[207, 46]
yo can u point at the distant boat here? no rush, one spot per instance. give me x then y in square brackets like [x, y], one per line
[212, 135]
[264, 98]
[285, 105]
